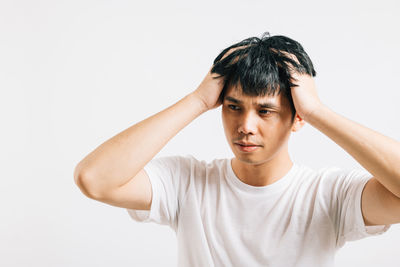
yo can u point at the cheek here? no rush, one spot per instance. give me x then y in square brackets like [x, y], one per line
[229, 128]
[227, 123]
[274, 131]
[230, 122]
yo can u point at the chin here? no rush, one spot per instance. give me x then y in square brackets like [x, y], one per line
[248, 159]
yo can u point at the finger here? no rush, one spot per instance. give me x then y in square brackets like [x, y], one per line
[230, 51]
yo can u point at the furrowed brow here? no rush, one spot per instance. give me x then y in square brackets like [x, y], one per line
[261, 105]
[234, 100]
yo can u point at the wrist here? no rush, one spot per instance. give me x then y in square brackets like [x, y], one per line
[198, 101]
[313, 115]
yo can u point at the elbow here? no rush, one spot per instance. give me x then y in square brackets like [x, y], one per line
[82, 180]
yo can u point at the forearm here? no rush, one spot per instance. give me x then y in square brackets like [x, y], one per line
[120, 158]
[378, 154]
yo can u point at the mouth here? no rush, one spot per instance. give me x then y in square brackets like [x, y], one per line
[247, 148]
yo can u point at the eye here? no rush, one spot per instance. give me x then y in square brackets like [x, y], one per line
[265, 111]
[232, 107]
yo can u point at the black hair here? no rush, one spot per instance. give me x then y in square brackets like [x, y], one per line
[263, 66]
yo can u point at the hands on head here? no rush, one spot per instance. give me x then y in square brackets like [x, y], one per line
[304, 92]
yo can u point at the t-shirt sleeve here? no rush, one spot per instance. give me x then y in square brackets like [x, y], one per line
[165, 174]
[348, 219]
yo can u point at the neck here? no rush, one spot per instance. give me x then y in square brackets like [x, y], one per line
[264, 173]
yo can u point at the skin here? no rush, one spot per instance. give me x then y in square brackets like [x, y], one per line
[268, 127]
[271, 161]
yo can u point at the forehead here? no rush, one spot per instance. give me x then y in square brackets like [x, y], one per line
[235, 94]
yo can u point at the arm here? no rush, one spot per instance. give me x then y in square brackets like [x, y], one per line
[378, 154]
[120, 158]
[115, 162]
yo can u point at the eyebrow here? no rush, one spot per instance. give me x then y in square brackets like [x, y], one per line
[262, 105]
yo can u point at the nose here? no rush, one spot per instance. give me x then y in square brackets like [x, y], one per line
[248, 124]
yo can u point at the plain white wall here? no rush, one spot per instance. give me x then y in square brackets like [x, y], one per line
[75, 73]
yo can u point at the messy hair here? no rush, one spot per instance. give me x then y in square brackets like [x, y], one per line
[263, 66]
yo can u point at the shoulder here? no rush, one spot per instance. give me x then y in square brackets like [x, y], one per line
[187, 164]
[203, 163]
[174, 161]
[337, 182]
[305, 174]
[330, 179]
[344, 176]
[334, 173]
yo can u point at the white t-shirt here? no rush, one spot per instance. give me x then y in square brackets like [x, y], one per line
[299, 220]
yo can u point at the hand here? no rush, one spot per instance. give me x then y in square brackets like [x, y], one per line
[305, 97]
[209, 90]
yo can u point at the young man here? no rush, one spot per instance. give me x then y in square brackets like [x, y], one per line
[258, 208]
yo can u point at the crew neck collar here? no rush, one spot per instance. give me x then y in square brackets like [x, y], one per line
[276, 186]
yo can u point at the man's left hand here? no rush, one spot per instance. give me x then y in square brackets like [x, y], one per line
[305, 97]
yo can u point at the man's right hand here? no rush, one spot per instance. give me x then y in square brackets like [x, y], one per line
[209, 90]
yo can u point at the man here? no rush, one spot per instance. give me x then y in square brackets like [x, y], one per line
[258, 208]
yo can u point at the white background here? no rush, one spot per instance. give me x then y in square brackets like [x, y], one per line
[75, 73]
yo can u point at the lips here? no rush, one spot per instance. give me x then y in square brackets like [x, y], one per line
[247, 148]
[246, 144]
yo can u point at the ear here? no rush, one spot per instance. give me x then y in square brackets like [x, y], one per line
[297, 123]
